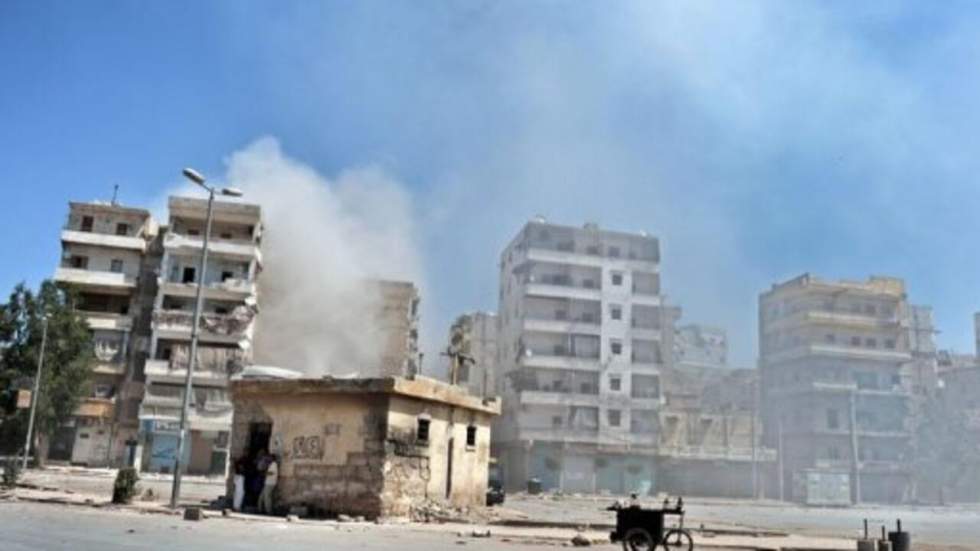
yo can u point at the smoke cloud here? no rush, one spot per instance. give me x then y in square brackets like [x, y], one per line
[323, 237]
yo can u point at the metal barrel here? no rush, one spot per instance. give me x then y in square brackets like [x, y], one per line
[901, 541]
[866, 545]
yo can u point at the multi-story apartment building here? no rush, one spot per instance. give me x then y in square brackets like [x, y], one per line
[836, 359]
[583, 334]
[102, 261]
[225, 331]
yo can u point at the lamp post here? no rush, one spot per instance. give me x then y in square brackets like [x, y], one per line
[37, 390]
[198, 179]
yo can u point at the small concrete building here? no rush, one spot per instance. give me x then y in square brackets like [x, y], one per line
[375, 447]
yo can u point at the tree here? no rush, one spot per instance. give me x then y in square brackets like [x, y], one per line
[68, 357]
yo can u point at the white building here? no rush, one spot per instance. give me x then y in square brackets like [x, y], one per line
[103, 248]
[225, 333]
[583, 336]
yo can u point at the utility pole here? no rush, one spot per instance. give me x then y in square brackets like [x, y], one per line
[755, 459]
[195, 177]
[779, 442]
[37, 390]
[855, 454]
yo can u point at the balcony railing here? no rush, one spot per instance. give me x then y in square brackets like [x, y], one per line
[235, 324]
[82, 277]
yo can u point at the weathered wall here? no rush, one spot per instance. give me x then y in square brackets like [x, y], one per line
[330, 448]
[414, 470]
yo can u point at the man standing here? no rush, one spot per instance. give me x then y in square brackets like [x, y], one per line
[271, 478]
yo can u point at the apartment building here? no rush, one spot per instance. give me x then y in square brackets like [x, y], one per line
[583, 334]
[474, 336]
[837, 362]
[102, 260]
[225, 332]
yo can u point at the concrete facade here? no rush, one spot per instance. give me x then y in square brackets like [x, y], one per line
[227, 323]
[103, 246]
[396, 325]
[583, 336]
[837, 361]
[376, 447]
[701, 345]
[474, 338]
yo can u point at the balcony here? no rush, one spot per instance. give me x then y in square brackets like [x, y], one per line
[229, 289]
[554, 361]
[111, 281]
[835, 318]
[581, 327]
[553, 290]
[226, 248]
[107, 321]
[716, 453]
[546, 398]
[229, 327]
[838, 352]
[104, 240]
[168, 371]
[96, 407]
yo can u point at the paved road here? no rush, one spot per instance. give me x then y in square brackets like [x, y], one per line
[958, 525]
[32, 526]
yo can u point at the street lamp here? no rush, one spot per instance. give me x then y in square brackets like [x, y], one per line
[198, 179]
[37, 389]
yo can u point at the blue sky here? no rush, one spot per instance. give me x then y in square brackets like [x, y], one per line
[759, 140]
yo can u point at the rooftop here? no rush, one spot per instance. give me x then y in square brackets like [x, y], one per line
[421, 388]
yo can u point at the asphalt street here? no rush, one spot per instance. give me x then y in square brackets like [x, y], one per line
[33, 527]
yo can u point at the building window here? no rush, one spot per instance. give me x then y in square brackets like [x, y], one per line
[79, 262]
[613, 252]
[422, 431]
[116, 266]
[617, 278]
[471, 436]
[189, 275]
[871, 343]
[616, 312]
[855, 341]
[615, 383]
[832, 421]
[226, 275]
[890, 344]
[833, 453]
[830, 338]
[616, 347]
[122, 229]
[87, 223]
[227, 235]
[614, 416]
[557, 421]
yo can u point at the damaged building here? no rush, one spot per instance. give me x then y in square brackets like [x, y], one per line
[225, 333]
[473, 345]
[583, 336]
[396, 325]
[104, 247]
[377, 447]
[838, 362]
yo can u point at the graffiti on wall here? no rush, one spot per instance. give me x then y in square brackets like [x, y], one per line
[310, 447]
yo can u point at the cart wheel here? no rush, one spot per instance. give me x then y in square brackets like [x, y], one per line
[638, 539]
[678, 539]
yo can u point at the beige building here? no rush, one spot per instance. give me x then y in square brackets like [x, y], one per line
[375, 447]
[839, 363]
[584, 334]
[225, 333]
[102, 260]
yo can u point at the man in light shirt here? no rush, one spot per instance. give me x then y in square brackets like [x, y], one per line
[271, 478]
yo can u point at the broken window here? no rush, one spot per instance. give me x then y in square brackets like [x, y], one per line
[189, 275]
[422, 430]
[470, 436]
[614, 416]
[226, 275]
[116, 266]
[122, 229]
[87, 222]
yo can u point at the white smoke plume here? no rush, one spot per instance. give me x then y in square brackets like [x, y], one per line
[323, 237]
